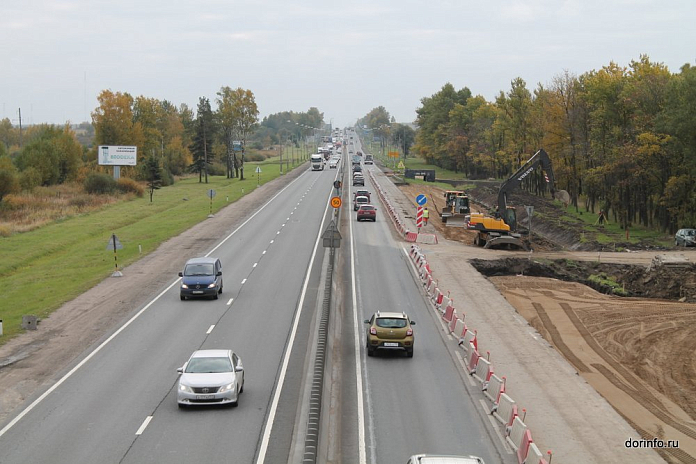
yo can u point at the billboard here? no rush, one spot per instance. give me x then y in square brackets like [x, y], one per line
[117, 155]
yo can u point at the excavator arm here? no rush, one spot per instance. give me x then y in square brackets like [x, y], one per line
[512, 183]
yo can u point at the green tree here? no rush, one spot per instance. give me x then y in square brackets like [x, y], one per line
[153, 171]
[54, 152]
[9, 176]
[201, 146]
[245, 116]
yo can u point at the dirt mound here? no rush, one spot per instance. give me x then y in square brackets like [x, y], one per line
[661, 282]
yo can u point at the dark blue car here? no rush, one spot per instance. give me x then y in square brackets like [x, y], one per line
[202, 277]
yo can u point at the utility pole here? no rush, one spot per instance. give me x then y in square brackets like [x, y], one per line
[20, 128]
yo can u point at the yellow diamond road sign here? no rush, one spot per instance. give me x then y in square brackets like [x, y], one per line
[401, 165]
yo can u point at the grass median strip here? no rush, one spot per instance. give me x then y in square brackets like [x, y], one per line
[44, 268]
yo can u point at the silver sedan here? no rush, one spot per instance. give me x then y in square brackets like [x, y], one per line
[210, 377]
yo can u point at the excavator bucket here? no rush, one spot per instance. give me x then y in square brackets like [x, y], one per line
[456, 221]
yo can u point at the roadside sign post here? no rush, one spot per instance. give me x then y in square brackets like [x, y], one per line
[421, 200]
[211, 194]
[258, 175]
[115, 244]
[336, 203]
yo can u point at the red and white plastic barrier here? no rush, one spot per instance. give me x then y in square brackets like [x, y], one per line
[449, 310]
[495, 387]
[484, 370]
[453, 322]
[472, 359]
[506, 410]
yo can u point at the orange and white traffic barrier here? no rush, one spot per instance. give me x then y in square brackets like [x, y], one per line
[472, 359]
[459, 326]
[483, 371]
[519, 437]
[448, 311]
[534, 455]
[469, 338]
[453, 322]
[506, 410]
[494, 388]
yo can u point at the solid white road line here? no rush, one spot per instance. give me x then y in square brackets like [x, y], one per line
[130, 321]
[286, 358]
[210, 329]
[358, 363]
[144, 426]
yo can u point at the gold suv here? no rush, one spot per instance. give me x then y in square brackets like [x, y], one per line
[389, 331]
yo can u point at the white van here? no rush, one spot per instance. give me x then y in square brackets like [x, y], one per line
[442, 459]
[368, 159]
[317, 162]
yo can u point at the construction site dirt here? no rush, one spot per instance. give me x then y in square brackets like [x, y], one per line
[626, 325]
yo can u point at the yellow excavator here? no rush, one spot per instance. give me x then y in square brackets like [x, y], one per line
[456, 209]
[500, 230]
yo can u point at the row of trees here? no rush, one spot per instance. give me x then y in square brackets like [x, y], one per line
[177, 139]
[622, 139]
[381, 125]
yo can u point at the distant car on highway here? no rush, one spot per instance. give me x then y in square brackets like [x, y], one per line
[359, 201]
[366, 213]
[333, 163]
[443, 459]
[361, 192]
[201, 277]
[210, 377]
[358, 179]
[389, 331]
[685, 237]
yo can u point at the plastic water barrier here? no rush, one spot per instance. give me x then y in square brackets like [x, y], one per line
[506, 410]
[459, 326]
[495, 387]
[534, 455]
[469, 337]
[484, 370]
[448, 311]
[453, 322]
[472, 359]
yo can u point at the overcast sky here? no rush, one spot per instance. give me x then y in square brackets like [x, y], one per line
[345, 58]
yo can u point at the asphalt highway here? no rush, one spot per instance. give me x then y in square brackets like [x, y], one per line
[117, 404]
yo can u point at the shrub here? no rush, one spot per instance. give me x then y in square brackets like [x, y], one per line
[254, 157]
[167, 178]
[5, 230]
[127, 185]
[217, 169]
[100, 184]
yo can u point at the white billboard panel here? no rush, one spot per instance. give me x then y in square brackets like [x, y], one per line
[117, 155]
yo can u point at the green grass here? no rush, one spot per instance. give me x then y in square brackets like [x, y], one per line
[42, 269]
[607, 281]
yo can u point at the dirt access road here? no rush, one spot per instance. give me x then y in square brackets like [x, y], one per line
[635, 352]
